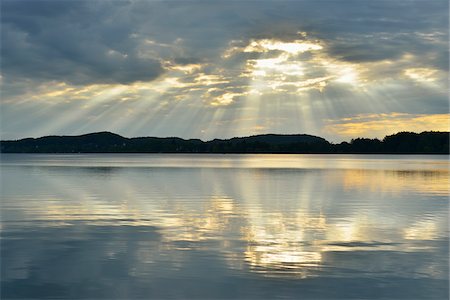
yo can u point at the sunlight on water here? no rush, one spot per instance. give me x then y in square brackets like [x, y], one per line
[245, 226]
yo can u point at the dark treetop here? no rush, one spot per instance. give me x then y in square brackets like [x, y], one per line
[403, 142]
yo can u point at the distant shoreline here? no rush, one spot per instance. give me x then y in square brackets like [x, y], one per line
[402, 143]
[226, 153]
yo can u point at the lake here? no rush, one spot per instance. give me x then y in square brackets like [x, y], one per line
[89, 226]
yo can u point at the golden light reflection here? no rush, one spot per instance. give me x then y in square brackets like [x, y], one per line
[245, 209]
[422, 230]
[269, 259]
[210, 223]
[348, 231]
[435, 182]
[279, 244]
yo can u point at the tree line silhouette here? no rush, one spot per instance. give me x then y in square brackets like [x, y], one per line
[105, 142]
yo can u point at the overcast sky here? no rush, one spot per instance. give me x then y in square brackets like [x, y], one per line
[207, 69]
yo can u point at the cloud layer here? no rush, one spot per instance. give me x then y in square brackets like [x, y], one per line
[203, 69]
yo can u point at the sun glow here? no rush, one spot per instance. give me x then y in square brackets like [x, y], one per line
[285, 70]
[348, 75]
[273, 66]
[421, 74]
[294, 47]
[298, 66]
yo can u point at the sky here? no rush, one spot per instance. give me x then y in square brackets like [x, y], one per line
[219, 69]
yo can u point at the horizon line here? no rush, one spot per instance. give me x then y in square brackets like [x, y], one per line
[223, 139]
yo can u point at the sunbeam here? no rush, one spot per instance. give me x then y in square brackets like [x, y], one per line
[240, 78]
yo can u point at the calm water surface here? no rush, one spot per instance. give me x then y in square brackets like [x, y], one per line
[224, 226]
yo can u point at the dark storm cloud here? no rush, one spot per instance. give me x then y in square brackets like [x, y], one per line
[387, 30]
[392, 46]
[70, 41]
[103, 41]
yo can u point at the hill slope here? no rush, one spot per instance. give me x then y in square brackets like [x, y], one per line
[107, 142]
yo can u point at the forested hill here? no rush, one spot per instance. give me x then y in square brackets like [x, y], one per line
[106, 142]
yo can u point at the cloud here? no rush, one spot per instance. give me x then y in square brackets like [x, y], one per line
[84, 42]
[244, 60]
[73, 43]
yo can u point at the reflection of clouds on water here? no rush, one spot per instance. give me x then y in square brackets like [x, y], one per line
[148, 226]
[424, 182]
[422, 230]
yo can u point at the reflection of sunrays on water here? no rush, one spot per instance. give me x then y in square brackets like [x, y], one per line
[242, 213]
